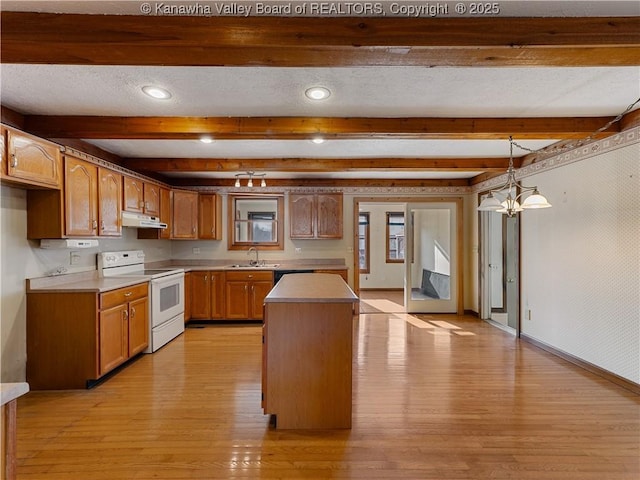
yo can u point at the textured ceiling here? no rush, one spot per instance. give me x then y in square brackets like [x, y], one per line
[397, 92]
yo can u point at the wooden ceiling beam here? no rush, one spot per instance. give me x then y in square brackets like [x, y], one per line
[305, 128]
[78, 39]
[217, 165]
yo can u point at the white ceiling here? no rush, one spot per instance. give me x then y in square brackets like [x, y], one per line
[356, 92]
[362, 92]
[366, 91]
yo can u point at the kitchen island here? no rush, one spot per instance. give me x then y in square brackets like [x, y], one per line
[308, 352]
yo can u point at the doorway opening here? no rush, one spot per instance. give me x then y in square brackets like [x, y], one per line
[411, 245]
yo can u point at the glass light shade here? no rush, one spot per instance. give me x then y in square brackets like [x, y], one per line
[536, 201]
[510, 206]
[237, 184]
[489, 204]
[263, 183]
[250, 182]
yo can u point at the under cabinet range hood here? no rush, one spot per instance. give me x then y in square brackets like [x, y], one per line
[139, 220]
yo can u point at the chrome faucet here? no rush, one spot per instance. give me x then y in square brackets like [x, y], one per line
[255, 262]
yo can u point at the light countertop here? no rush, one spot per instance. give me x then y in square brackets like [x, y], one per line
[310, 288]
[88, 282]
[11, 391]
[91, 281]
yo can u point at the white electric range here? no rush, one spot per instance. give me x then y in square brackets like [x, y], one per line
[166, 292]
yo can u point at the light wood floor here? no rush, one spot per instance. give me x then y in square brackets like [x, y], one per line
[435, 397]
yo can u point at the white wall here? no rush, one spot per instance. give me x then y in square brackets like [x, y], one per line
[21, 259]
[381, 274]
[581, 261]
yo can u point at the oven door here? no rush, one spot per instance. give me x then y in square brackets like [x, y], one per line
[167, 298]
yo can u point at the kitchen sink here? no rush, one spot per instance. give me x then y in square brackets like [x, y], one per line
[247, 265]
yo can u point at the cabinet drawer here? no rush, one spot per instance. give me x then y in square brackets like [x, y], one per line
[249, 275]
[123, 295]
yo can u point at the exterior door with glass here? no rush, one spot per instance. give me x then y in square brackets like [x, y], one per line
[431, 258]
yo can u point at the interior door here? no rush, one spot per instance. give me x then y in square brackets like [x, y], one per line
[431, 263]
[499, 269]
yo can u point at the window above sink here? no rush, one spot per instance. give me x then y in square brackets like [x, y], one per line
[256, 221]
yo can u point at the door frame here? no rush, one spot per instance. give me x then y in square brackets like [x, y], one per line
[404, 200]
[483, 264]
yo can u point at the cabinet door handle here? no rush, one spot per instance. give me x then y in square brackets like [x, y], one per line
[141, 204]
[125, 315]
[193, 229]
[206, 278]
[128, 294]
[102, 225]
[133, 312]
[246, 287]
[95, 224]
[14, 160]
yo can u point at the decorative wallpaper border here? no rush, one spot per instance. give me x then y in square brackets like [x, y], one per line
[345, 190]
[584, 152]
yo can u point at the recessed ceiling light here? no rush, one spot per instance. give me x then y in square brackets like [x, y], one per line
[318, 140]
[317, 93]
[156, 92]
[206, 139]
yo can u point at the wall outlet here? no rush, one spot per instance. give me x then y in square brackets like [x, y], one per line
[196, 250]
[74, 258]
[298, 250]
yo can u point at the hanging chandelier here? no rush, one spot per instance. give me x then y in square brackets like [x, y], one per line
[508, 198]
[250, 176]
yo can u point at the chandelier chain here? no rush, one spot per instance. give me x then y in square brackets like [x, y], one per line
[571, 146]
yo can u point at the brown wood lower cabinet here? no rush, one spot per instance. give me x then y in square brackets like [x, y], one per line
[75, 338]
[207, 295]
[187, 297]
[245, 291]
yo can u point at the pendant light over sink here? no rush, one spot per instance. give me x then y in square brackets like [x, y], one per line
[250, 176]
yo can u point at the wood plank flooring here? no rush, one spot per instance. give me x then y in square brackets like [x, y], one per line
[435, 397]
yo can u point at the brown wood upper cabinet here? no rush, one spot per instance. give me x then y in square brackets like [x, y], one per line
[141, 197]
[89, 205]
[30, 160]
[109, 203]
[209, 216]
[166, 203]
[315, 215]
[81, 197]
[185, 215]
